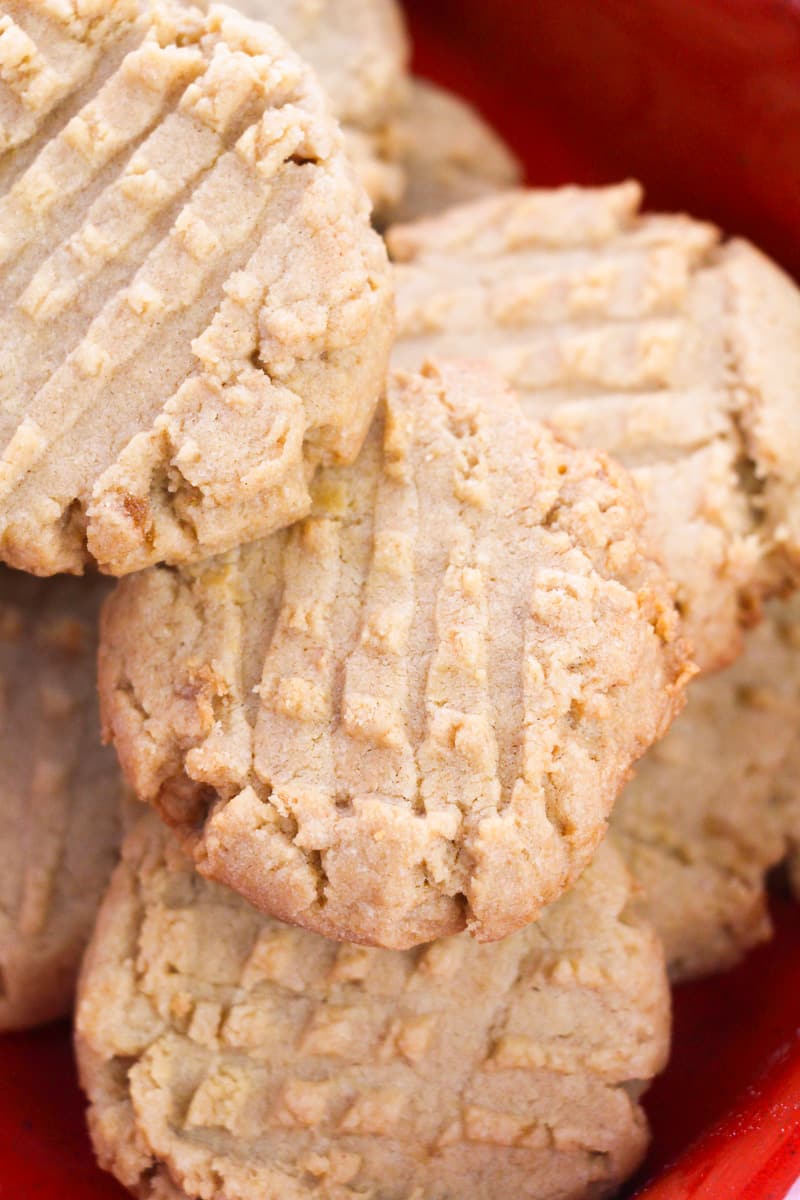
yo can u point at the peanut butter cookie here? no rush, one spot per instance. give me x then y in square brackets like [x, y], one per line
[651, 338]
[700, 825]
[194, 309]
[226, 1054]
[413, 711]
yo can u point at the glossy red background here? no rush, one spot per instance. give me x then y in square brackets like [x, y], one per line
[701, 100]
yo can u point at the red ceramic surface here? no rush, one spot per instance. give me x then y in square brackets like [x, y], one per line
[701, 100]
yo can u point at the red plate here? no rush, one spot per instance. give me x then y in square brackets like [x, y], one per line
[701, 100]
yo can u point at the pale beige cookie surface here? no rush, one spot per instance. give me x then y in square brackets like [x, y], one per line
[194, 309]
[226, 1054]
[647, 336]
[417, 148]
[59, 792]
[359, 50]
[697, 824]
[449, 154]
[415, 709]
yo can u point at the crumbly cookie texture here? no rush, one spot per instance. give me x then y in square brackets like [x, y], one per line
[646, 336]
[59, 792]
[416, 148]
[448, 152]
[414, 710]
[194, 309]
[224, 1053]
[699, 825]
[359, 50]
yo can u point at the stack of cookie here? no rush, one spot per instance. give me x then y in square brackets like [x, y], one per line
[405, 599]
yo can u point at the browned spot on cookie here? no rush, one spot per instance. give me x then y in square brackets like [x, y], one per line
[184, 804]
[137, 509]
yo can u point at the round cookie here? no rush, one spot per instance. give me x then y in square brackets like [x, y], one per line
[415, 709]
[697, 824]
[449, 154]
[646, 336]
[225, 1053]
[59, 792]
[195, 312]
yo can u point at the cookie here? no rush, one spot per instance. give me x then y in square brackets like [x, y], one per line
[224, 1053]
[59, 792]
[448, 153]
[414, 710]
[651, 338]
[195, 311]
[697, 824]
